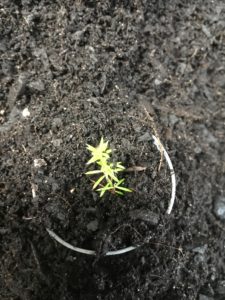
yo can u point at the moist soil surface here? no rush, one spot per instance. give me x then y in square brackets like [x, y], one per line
[72, 72]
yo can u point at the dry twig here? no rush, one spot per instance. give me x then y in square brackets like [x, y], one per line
[152, 124]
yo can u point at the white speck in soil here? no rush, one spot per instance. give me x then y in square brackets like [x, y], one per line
[39, 162]
[26, 113]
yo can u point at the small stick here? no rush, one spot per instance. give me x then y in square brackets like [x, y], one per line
[168, 246]
[33, 190]
[135, 169]
[35, 257]
[151, 120]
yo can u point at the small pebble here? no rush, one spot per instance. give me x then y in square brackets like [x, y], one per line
[4, 231]
[173, 119]
[39, 162]
[199, 258]
[143, 261]
[56, 123]
[220, 289]
[57, 142]
[93, 225]
[145, 137]
[37, 85]
[198, 150]
[148, 29]
[201, 250]
[206, 31]
[219, 207]
[17, 89]
[206, 135]
[157, 81]
[145, 215]
[3, 45]
[41, 54]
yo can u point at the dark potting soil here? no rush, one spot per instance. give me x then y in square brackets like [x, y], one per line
[72, 72]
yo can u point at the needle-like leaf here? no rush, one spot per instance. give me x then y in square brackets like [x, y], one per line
[98, 181]
[93, 172]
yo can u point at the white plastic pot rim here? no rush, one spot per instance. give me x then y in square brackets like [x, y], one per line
[130, 248]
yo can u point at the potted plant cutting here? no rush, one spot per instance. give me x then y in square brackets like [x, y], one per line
[106, 179]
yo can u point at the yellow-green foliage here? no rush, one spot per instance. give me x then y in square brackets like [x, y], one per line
[108, 180]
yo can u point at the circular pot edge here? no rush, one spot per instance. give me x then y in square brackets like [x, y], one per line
[161, 148]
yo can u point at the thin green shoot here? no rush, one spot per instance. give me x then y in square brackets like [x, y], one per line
[108, 180]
